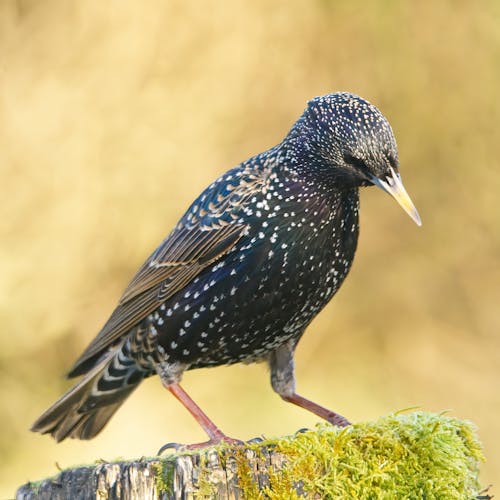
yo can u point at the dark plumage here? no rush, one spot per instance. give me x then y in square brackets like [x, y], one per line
[257, 255]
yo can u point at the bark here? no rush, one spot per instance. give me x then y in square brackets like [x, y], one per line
[209, 474]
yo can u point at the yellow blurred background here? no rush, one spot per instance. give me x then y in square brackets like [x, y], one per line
[114, 115]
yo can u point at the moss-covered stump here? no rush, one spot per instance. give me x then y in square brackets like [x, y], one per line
[417, 455]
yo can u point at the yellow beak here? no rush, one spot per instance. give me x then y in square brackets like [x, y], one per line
[394, 186]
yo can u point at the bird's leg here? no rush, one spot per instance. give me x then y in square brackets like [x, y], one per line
[321, 411]
[213, 432]
[283, 382]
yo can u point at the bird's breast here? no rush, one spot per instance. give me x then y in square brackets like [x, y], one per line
[310, 252]
[290, 262]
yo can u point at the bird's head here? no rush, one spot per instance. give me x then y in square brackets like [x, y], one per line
[346, 133]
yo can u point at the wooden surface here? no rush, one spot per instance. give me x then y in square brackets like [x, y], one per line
[209, 474]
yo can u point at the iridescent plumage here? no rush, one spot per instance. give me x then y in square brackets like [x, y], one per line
[257, 255]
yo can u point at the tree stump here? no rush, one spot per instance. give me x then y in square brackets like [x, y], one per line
[212, 473]
[417, 455]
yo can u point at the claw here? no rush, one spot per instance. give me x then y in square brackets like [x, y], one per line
[339, 420]
[301, 431]
[257, 439]
[175, 446]
[197, 446]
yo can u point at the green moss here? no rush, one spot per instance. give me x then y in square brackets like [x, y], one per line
[206, 486]
[246, 480]
[417, 455]
[420, 455]
[164, 475]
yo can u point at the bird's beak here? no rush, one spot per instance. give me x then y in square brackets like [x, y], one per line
[394, 186]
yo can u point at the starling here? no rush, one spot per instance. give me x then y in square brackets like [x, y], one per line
[253, 260]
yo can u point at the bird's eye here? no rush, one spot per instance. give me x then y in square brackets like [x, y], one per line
[355, 162]
[392, 162]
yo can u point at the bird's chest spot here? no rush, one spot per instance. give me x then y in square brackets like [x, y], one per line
[320, 265]
[306, 253]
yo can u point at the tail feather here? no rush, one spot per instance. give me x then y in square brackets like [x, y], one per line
[85, 409]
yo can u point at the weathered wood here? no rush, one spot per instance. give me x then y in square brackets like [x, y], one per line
[213, 474]
[107, 480]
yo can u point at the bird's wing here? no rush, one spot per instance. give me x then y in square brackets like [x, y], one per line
[210, 229]
[183, 255]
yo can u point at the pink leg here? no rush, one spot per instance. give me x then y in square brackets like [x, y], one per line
[283, 382]
[213, 432]
[330, 416]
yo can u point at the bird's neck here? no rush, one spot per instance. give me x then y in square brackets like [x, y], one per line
[299, 162]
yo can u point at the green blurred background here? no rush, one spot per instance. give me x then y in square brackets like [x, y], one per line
[114, 115]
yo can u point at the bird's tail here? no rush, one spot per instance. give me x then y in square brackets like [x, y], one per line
[85, 409]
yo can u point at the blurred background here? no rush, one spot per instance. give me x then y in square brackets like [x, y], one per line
[114, 115]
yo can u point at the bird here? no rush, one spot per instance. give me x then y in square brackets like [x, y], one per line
[252, 261]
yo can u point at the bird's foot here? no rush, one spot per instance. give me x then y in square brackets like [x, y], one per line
[338, 420]
[174, 446]
[325, 413]
[213, 441]
[301, 431]
[256, 440]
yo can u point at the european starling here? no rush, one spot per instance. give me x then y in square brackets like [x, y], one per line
[253, 260]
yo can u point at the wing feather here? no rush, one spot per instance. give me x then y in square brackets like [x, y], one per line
[182, 256]
[187, 248]
[208, 230]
